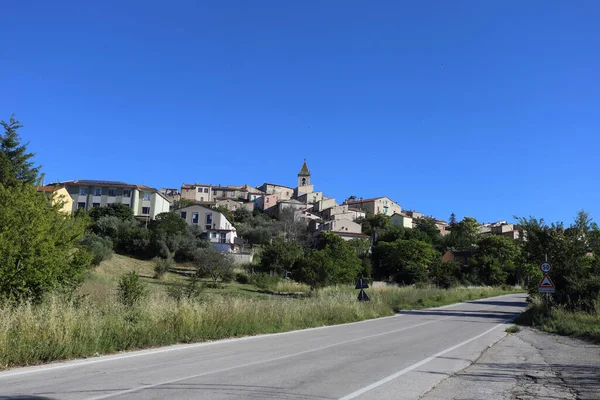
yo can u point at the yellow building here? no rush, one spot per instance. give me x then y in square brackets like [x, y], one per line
[58, 195]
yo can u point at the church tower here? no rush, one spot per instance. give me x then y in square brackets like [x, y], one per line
[304, 176]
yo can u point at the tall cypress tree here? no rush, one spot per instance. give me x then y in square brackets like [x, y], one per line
[15, 162]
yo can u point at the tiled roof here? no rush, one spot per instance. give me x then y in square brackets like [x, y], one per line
[48, 189]
[91, 182]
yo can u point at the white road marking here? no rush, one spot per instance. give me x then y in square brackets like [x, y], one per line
[139, 353]
[418, 364]
[140, 388]
[136, 389]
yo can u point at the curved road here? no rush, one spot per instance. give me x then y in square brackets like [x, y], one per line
[399, 357]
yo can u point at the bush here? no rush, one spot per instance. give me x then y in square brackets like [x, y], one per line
[191, 291]
[227, 277]
[101, 248]
[264, 281]
[131, 289]
[241, 278]
[162, 266]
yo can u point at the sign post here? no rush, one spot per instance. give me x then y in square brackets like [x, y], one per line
[362, 284]
[546, 285]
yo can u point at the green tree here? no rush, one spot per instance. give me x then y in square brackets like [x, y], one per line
[280, 256]
[463, 236]
[242, 215]
[568, 250]
[39, 245]
[121, 211]
[426, 230]
[15, 163]
[405, 261]
[210, 261]
[495, 261]
[181, 203]
[333, 262]
[377, 222]
[226, 212]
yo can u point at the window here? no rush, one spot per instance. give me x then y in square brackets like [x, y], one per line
[267, 199]
[205, 190]
[147, 195]
[303, 181]
[209, 219]
[199, 190]
[194, 218]
[231, 194]
[201, 198]
[112, 192]
[81, 205]
[95, 205]
[97, 191]
[223, 238]
[83, 191]
[126, 192]
[146, 210]
[183, 214]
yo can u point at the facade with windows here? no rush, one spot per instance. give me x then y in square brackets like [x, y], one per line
[197, 192]
[377, 205]
[146, 202]
[213, 223]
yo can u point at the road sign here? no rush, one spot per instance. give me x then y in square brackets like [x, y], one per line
[361, 283]
[362, 296]
[546, 285]
[545, 267]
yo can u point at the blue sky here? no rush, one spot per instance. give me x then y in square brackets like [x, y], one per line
[483, 108]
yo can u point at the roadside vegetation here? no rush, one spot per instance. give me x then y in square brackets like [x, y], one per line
[127, 314]
[97, 282]
[574, 253]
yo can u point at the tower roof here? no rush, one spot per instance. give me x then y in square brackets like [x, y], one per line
[304, 171]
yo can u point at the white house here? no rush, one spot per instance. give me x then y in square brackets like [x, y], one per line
[219, 230]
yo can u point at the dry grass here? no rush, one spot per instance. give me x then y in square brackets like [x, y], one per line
[96, 323]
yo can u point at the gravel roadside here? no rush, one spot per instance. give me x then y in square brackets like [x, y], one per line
[528, 365]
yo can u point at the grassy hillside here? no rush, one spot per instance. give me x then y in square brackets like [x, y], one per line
[97, 323]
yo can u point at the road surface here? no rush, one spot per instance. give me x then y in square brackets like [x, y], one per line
[399, 357]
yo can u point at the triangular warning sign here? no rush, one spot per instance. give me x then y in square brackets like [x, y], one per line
[546, 282]
[362, 296]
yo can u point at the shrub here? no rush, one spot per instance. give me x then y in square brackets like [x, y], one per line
[101, 248]
[212, 262]
[241, 278]
[264, 281]
[191, 291]
[227, 276]
[131, 289]
[162, 266]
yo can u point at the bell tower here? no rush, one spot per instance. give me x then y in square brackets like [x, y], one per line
[304, 175]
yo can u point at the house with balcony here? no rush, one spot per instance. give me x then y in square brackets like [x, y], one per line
[146, 202]
[218, 229]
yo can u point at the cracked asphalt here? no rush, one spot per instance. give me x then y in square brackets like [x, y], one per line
[527, 365]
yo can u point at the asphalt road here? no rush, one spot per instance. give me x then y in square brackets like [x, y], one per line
[399, 357]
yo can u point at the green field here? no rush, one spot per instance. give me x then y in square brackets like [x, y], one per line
[584, 325]
[94, 322]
